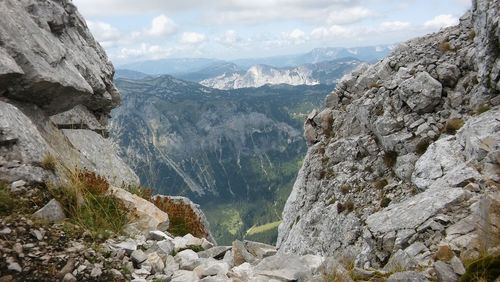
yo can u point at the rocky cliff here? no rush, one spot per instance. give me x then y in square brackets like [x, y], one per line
[404, 159]
[56, 92]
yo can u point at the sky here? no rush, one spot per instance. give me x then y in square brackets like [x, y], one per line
[136, 30]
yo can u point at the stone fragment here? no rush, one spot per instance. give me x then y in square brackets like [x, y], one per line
[408, 276]
[51, 212]
[240, 254]
[138, 257]
[445, 272]
[187, 259]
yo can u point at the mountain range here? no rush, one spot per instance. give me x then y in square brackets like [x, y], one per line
[234, 152]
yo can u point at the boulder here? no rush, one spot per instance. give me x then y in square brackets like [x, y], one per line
[184, 276]
[421, 93]
[445, 272]
[147, 216]
[289, 267]
[260, 250]
[408, 276]
[187, 259]
[240, 254]
[51, 212]
[215, 252]
[211, 267]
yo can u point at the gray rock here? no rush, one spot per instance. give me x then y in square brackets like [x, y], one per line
[217, 278]
[400, 261]
[158, 235]
[69, 278]
[14, 266]
[96, 272]
[416, 210]
[457, 266]
[215, 252]
[289, 267]
[421, 93]
[184, 276]
[128, 246]
[5, 231]
[211, 267]
[101, 153]
[51, 212]
[260, 250]
[156, 262]
[408, 276]
[448, 74]
[166, 247]
[445, 272]
[138, 257]
[240, 254]
[187, 259]
[65, 65]
[78, 117]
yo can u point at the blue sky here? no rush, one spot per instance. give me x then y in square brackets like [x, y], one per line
[133, 30]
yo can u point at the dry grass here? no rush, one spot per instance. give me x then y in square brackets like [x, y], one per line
[390, 158]
[345, 188]
[422, 146]
[453, 125]
[49, 162]
[183, 219]
[385, 202]
[380, 184]
[143, 192]
[7, 202]
[87, 203]
[445, 46]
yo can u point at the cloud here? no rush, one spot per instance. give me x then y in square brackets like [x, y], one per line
[441, 21]
[348, 16]
[230, 38]
[394, 26]
[295, 36]
[106, 34]
[145, 51]
[334, 31]
[192, 38]
[162, 26]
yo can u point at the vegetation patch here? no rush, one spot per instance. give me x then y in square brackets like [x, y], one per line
[380, 184]
[49, 162]
[422, 146]
[482, 109]
[445, 46]
[483, 269]
[452, 125]
[345, 188]
[88, 204]
[390, 158]
[7, 202]
[385, 202]
[143, 192]
[183, 219]
[263, 228]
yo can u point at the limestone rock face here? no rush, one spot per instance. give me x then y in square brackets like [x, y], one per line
[405, 160]
[49, 58]
[50, 65]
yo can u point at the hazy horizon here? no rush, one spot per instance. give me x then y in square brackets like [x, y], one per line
[236, 29]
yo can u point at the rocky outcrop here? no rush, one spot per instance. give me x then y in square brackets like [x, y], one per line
[405, 156]
[50, 65]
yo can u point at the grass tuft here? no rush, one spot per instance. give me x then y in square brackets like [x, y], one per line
[390, 158]
[183, 219]
[445, 46]
[380, 184]
[88, 204]
[452, 125]
[143, 192]
[49, 162]
[422, 146]
[6, 200]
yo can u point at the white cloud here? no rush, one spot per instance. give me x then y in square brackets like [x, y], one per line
[162, 26]
[144, 51]
[441, 21]
[230, 38]
[106, 34]
[394, 26]
[295, 36]
[348, 16]
[192, 38]
[334, 31]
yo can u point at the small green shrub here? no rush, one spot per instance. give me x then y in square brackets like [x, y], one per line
[385, 202]
[390, 158]
[452, 125]
[380, 184]
[7, 202]
[422, 146]
[49, 162]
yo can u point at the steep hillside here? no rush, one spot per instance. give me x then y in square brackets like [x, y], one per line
[241, 148]
[325, 72]
[403, 162]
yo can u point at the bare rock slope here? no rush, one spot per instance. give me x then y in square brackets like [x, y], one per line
[405, 156]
